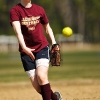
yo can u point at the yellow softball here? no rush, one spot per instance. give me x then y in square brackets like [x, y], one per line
[67, 31]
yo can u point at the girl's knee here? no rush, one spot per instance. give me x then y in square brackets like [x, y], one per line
[42, 79]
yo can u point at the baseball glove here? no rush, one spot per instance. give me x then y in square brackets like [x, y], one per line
[55, 56]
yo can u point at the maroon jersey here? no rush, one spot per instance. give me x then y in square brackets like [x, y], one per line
[31, 20]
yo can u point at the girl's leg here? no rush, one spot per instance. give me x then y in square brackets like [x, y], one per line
[37, 87]
[42, 77]
[43, 82]
[35, 84]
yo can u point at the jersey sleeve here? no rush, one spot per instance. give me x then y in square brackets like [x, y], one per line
[13, 15]
[44, 19]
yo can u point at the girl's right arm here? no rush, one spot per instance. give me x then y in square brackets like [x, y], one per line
[17, 29]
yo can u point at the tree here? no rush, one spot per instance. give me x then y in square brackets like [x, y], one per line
[82, 15]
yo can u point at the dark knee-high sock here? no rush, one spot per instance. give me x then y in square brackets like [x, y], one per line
[46, 91]
[53, 96]
[47, 87]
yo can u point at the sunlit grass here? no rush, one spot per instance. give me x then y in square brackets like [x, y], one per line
[77, 65]
[74, 65]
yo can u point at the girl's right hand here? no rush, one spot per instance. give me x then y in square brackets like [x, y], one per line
[29, 51]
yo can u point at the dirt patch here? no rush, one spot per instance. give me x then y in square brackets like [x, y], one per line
[70, 90]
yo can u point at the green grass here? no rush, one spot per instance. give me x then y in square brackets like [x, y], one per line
[74, 65]
[11, 68]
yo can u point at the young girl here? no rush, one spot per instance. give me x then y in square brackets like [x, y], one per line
[28, 21]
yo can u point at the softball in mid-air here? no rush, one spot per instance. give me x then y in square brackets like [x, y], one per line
[67, 31]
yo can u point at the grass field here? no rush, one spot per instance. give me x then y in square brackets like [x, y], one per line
[74, 65]
[78, 77]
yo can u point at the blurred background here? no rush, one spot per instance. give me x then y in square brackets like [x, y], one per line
[80, 52]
